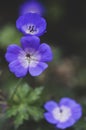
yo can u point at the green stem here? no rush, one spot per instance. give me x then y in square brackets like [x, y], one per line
[15, 89]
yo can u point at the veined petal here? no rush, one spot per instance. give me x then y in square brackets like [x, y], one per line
[77, 112]
[45, 52]
[31, 43]
[17, 69]
[50, 105]
[36, 68]
[67, 102]
[12, 52]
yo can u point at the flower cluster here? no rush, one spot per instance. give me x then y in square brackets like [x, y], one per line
[32, 56]
[64, 114]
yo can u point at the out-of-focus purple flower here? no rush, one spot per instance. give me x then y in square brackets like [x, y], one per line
[31, 24]
[31, 7]
[4, 107]
[32, 57]
[64, 114]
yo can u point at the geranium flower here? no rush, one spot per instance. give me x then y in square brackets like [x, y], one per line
[31, 7]
[32, 57]
[63, 114]
[31, 24]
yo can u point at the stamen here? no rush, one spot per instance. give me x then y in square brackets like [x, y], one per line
[28, 55]
[60, 110]
[32, 28]
[62, 113]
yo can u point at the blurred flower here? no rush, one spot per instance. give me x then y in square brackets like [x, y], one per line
[4, 106]
[31, 24]
[31, 7]
[64, 114]
[65, 70]
[31, 57]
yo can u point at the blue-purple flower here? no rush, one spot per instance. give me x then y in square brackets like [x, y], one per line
[32, 57]
[31, 24]
[63, 114]
[31, 7]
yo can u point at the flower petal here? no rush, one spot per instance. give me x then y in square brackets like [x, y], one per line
[77, 112]
[12, 52]
[37, 69]
[64, 125]
[31, 6]
[49, 117]
[68, 102]
[31, 43]
[45, 52]
[17, 69]
[50, 105]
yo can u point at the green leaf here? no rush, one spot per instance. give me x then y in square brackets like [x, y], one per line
[12, 111]
[21, 93]
[35, 94]
[19, 112]
[7, 34]
[35, 112]
[24, 104]
[18, 121]
[57, 54]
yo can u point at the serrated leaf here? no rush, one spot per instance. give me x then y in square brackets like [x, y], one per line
[12, 111]
[18, 120]
[36, 113]
[22, 104]
[35, 94]
[21, 93]
[21, 115]
[19, 112]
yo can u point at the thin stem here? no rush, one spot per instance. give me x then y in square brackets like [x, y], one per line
[15, 88]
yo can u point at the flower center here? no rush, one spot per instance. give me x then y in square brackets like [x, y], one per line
[28, 55]
[30, 29]
[27, 59]
[60, 110]
[62, 113]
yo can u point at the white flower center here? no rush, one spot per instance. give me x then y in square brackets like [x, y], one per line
[27, 59]
[62, 113]
[30, 29]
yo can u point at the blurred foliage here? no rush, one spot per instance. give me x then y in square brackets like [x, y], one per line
[56, 11]
[9, 35]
